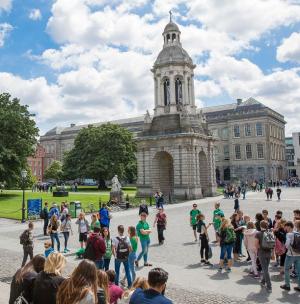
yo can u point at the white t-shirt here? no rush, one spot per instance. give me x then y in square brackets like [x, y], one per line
[82, 226]
[115, 241]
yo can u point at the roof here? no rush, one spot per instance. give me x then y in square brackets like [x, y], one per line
[171, 27]
[171, 54]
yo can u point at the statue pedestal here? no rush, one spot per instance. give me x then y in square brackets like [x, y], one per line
[116, 197]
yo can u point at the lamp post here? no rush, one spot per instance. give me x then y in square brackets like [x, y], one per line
[23, 175]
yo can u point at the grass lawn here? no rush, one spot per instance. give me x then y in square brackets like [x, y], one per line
[11, 200]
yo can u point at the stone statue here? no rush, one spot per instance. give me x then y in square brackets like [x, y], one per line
[115, 186]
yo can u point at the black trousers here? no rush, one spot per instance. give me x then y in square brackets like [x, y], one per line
[46, 222]
[160, 233]
[204, 246]
[27, 251]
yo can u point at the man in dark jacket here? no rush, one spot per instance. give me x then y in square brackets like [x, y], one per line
[97, 245]
[46, 218]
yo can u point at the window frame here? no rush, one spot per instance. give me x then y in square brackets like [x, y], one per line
[239, 132]
[235, 152]
[263, 150]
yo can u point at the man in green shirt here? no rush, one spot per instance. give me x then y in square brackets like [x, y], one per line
[143, 231]
[193, 219]
[217, 220]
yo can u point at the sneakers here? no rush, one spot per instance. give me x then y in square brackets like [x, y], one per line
[262, 283]
[136, 263]
[220, 269]
[269, 289]
[147, 264]
[65, 250]
[207, 263]
[285, 287]
[202, 261]
[256, 276]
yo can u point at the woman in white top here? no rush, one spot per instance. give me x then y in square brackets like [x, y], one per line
[81, 287]
[66, 228]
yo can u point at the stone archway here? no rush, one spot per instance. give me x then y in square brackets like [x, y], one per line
[163, 174]
[203, 170]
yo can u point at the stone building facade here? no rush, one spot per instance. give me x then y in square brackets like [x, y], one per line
[251, 143]
[175, 150]
[36, 162]
[292, 151]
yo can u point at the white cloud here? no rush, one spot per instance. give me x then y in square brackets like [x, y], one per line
[5, 5]
[5, 29]
[289, 50]
[35, 14]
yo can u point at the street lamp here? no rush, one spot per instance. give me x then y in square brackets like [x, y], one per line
[23, 175]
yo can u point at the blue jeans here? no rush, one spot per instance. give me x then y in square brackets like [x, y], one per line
[106, 263]
[66, 237]
[290, 260]
[226, 249]
[131, 259]
[99, 264]
[144, 253]
[54, 236]
[127, 271]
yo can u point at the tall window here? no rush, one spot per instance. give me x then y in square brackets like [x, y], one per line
[236, 131]
[247, 130]
[248, 151]
[224, 133]
[260, 151]
[259, 129]
[167, 92]
[226, 152]
[237, 150]
[178, 91]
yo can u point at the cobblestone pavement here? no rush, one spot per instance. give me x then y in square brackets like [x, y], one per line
[189, 282]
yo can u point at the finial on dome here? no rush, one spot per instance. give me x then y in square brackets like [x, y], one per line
[170, 12]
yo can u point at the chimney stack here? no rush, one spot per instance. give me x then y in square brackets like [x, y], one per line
[239, 101]
[72, 125]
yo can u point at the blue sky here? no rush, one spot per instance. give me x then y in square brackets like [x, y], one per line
[89, 60]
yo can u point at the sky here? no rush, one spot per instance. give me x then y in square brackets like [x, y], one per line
[85, 61]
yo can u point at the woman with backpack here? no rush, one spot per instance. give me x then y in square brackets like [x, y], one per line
[227, 240]
[161, 223]
[23, 280]
[66, 228]
[53, 229]
[81, 287]
[108, 243]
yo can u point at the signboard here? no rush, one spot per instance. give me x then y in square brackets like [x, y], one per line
[34, 208]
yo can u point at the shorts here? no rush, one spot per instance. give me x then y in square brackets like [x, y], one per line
[194, 227]
[83, 237]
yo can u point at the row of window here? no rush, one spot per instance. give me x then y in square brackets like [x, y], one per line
[276, 132]
[248, 130]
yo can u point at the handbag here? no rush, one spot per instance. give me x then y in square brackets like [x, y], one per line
[279, 248]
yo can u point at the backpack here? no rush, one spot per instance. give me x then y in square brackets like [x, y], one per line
[268, 240]
[296, 242]
[24, 237]
[279, 248]
[122, 251]
[89, 252]
[230, 236]
[143, 209]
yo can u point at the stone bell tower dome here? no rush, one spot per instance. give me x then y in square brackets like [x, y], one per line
[173, 73]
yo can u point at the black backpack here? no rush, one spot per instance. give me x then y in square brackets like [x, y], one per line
[122, 251]
[296, 242]
[24, 237]
[143, 209]
[89, 252]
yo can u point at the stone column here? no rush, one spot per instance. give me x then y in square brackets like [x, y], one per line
[192, 103]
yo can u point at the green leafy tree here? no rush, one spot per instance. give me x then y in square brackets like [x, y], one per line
[18, 134]
[100, 153]
[54, 171]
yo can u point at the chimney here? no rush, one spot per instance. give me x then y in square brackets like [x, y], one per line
[239, 101]
[72, 125]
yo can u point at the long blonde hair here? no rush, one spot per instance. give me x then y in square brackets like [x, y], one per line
[55, 263]
[82, 281]
[225, 224]
[103, 283]
[139, 282]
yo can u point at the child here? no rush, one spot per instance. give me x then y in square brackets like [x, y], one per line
[203, 236]
[48, 248]
[193, 219]
[83, 229]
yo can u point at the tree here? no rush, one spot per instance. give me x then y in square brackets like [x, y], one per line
[18, 134]
[54, 171]
[100, 153]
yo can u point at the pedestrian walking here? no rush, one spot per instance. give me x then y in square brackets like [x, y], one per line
[293, 254]
[132, 255]
[53, 229]
[95, 248]
[193, 219]
[204, 240]
[23, 280]
[66, 229]
[108, 245]
[236, 203]
[121, 248]
[243, 191]
[83, 229]
[26, 239]
[143, 232]
[278, 192]
[45, 217]
[265, 243]
[161, 224]
[81, 287]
